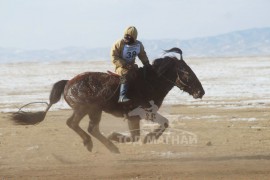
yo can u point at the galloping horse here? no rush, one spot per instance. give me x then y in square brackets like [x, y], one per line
[91, 93]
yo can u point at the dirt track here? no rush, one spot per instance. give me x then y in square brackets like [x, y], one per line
[231, 143]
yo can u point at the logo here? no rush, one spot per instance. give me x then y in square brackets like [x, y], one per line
[163, 134]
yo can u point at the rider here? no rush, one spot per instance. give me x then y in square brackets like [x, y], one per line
[123, 54]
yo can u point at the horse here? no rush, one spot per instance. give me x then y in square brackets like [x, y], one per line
[91, 93]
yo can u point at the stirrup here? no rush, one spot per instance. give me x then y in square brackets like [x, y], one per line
[123, 99]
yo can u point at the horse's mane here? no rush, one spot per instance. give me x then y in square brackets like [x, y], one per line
[154, 83]
[161, 65]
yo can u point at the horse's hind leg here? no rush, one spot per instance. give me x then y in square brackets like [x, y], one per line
[93, 129]
[134, 128]
[73, 123]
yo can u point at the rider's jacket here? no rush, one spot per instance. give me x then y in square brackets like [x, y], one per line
[123, 54]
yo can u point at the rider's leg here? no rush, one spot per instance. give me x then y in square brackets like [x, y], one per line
[123, 91]
[124, 85]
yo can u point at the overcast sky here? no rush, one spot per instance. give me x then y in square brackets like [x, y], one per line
[53, 24]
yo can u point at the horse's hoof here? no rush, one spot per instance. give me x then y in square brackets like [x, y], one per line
[148, 139]
[110, 137]
[115, 150]
[89, 146]
[113, 137]
[145, 141]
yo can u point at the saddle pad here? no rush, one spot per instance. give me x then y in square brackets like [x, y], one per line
[113, 74]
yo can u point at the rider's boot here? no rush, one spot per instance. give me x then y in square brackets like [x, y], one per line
[122, 96]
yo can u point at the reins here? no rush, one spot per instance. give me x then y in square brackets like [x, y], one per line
[20, 109]
[114, 92]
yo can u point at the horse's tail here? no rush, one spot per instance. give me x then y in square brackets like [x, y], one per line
[32, 118]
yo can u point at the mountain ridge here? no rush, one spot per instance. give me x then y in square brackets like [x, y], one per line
[250, 42]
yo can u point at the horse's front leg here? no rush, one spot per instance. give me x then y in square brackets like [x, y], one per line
[134, 129]
[163, 122]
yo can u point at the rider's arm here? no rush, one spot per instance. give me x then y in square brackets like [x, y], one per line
[116, 56]
[143, 56]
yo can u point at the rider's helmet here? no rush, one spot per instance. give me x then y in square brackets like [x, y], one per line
[130, 34]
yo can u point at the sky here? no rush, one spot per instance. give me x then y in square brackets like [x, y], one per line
[55, 24]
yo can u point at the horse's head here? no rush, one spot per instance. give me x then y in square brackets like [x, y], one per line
[179, 73]
[187, 80]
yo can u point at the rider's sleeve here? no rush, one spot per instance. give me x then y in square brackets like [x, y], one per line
[116, 55]
[142, 55]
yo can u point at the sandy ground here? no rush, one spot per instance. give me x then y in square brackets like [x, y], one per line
[215, 143]
[226, 135]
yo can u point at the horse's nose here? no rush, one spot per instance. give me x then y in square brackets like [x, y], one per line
[200, 92]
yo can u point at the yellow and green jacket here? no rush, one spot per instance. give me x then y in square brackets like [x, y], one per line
[122, 53]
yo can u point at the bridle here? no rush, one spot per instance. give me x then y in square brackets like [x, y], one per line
[178, 82]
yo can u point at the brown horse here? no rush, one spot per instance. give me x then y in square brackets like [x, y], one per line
[91, 93]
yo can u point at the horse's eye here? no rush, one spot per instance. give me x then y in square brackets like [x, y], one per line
[183, 71]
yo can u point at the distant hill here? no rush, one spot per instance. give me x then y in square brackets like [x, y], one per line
[65, 54]
[251, 42]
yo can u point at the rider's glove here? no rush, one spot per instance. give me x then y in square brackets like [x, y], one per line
[147, 64]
